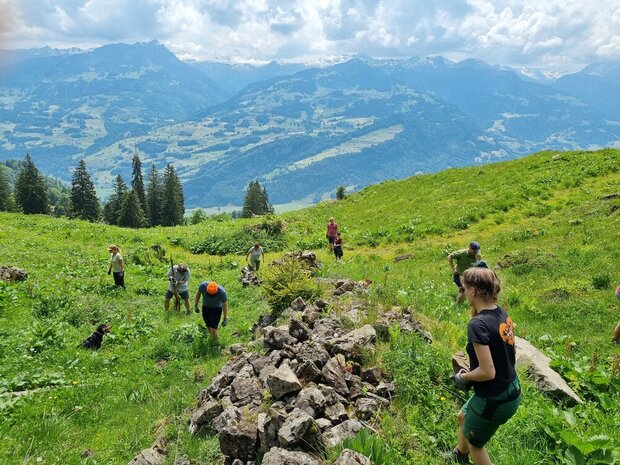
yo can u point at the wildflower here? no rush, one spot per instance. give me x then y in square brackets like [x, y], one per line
[442, 398]
[74, 382]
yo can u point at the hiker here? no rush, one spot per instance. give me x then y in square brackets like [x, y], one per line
[178, 276]
[338, 246]
[491, 350]
[214, 302]
[117, 265]
[330, 233]
[255, 254]
[465, 258]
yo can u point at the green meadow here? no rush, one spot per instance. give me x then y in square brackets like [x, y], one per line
[549, 223]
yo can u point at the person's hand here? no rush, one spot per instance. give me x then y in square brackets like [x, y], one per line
[454, 270]
[460, 382]
[225, 322]
[196, 309]
[109, 271]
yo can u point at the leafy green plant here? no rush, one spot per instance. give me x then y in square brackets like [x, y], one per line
[371, 446]
[601, 281]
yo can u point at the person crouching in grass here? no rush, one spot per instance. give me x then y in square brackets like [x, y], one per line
[491, 350]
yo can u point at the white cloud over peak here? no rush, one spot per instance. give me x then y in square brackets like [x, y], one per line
[551, 33]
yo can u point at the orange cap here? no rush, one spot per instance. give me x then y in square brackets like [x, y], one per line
[212, 288]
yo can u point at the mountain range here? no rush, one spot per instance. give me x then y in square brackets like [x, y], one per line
[301, 130]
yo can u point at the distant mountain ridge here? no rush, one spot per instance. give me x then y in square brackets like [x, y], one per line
[300, 130]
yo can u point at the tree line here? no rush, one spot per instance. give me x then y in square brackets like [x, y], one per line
[160, 202]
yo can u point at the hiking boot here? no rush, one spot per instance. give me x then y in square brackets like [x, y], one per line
[458, 457]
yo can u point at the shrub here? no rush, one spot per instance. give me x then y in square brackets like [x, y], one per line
[601, 281]
[285, 282]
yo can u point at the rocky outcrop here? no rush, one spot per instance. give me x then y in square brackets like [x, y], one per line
[544, 377]
[349, 457]
[249, 278]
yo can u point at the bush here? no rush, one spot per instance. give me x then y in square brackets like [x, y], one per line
[372, 447]
[285, 282]
[601, 281]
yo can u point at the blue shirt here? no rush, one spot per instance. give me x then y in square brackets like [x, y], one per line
[212, 301]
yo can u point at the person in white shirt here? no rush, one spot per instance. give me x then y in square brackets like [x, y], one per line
[179, 280]
[117, 265]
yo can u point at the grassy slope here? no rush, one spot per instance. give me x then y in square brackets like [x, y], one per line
[546, 207]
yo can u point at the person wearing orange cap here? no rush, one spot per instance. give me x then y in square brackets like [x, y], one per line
[214, 303]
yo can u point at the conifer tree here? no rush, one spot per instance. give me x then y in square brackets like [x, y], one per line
[173, 201]
[31, 190]
[112, 208]
[131, 214]
[256, 201]
[84, 201]
[6, 196]
[137, 181]
[154, 196]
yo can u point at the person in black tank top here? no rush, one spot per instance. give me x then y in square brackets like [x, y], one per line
[491, 350]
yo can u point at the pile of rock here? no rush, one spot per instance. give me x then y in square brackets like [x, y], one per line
[11, 273]
[307, 257]
[248, 277]
[305, 392]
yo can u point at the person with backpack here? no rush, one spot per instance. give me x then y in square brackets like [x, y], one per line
[214, 304]
[178, 277]
[255, 254]
[338, 246]
[117, 265]
[492, 356]
[331, 232]
[465, 258]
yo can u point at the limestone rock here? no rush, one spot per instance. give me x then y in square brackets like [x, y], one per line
[545, 378]
[339, 433]
[11, 273]
[298, 304]
[301, 431]
[278, 456]
[311, 401]
[299, 330]
[204, 415]
[283, 381]
[334, 377]
[307, 372]
[365, 408]
[349, 457]
[239, 441]
[244, 391]
[154, 455]
[278, 338]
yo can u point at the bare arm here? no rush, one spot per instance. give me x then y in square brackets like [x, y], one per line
[486, 369]
[451, 262]
[197, 298]
[225, 309]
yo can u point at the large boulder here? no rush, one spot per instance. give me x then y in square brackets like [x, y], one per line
[283, 381]
[311, 401]
[545, 378]
[333, 375]
[239, 441]
[278, 338]
[277, 456]
[204, 415]
[354, 342]
[299, 430]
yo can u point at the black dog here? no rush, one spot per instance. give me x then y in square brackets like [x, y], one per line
[94, 340]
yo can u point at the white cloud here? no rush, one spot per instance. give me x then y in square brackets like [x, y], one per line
[550, 33]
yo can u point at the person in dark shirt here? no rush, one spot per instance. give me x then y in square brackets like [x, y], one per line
[338, 246]
[491, 350]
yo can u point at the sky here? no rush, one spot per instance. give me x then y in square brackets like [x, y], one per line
[560, 35]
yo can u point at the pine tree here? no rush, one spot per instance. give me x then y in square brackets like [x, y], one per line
[84, 201]
[112, 208]
[340, 193]
[137, 181]
[154, 196]
[265, 205]
[173, 201]
[256, 201]
[131, 214]
[30, 189]
[7, 203]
